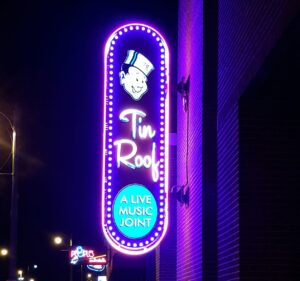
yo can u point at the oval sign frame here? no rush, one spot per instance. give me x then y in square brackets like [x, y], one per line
[135, 154]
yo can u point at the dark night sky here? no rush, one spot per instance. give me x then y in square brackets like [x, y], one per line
[50, 73]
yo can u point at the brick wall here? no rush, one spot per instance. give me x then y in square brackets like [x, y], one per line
[248, 30]
[189, 135]
[269, 173]
[228, 198]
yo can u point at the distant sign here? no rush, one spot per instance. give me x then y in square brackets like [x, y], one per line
[96, 268]
[135, 139]
[86, 256]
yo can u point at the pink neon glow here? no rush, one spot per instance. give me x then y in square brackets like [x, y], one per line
[121, 246]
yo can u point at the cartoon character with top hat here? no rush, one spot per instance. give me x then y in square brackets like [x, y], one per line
[134, 73]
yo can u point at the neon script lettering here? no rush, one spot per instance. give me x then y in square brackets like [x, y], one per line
[80, 253]
[130, 158]
[136, 120]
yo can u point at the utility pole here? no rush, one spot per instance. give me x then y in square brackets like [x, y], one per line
[70, 249]
[13, 213]
[14, 204]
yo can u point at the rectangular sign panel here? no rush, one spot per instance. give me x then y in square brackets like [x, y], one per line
[135, 139]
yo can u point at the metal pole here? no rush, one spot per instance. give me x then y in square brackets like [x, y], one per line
[13, 213]
[71, 266]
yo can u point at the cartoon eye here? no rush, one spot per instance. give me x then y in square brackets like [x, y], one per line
[137, 80]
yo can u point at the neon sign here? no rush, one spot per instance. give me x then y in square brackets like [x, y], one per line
[135, 139]
[81, 255]
[96, 268]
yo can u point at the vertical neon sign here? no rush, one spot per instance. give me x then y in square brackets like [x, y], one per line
[135, 155]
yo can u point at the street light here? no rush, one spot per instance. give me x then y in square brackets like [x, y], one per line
[3, 252]
[14, 202]
[20, 273]
[13, 145]
[58, 241]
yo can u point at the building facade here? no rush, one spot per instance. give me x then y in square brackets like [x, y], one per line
[224, 48]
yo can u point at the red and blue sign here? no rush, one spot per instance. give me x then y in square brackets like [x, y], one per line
[135, 139]
[87, 256]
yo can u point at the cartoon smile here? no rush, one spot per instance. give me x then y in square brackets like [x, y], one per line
[136, 89]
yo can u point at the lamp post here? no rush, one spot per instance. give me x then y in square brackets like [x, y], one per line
[20, 275]
[14, 205]
[58, 240]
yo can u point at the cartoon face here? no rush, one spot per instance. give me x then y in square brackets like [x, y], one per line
[134, 82]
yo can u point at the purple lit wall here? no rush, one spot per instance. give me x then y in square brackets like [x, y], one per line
[189, 135]
[247, 33]
[222, 45]
[228, 198]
